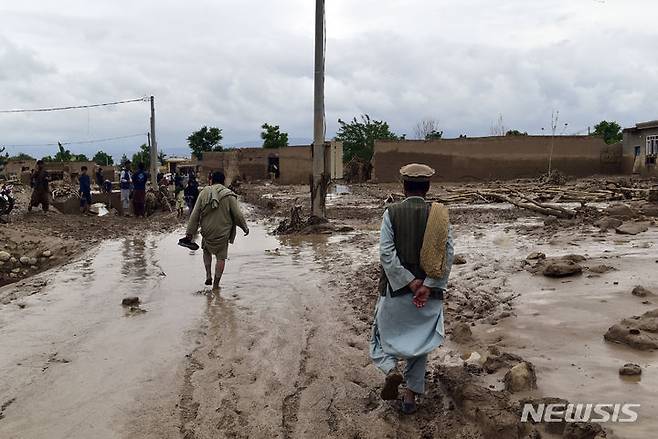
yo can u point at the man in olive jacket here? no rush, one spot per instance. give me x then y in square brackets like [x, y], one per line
[218, 213]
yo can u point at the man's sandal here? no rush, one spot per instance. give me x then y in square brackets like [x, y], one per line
[390, 390]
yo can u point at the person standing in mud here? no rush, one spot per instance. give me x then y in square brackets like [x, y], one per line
[125, 184]
[40, 188]
[85, 191]
[416, 254]
[139, 190]
[218, 213]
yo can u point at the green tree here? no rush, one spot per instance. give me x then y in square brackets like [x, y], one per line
[142, 156]
[516, 133]
[358, 136]
[103, 159]
[434, 135]
[79, 158]
[20, 156]
[273, 137]
[611, 131]
[206, 139]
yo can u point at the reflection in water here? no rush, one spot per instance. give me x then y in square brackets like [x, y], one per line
[133, 262]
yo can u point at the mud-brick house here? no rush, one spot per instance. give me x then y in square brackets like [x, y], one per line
[288, 165]
[16, 169]
[71, 170]
[641, 149]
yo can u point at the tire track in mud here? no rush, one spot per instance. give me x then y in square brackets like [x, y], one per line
[188, 408]
[290, 406]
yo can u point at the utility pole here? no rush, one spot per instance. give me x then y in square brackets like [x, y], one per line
[318, 179]
[154, 148]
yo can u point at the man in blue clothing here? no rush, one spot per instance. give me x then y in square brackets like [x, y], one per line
[139, 190]
[408, 322]
[85, 190]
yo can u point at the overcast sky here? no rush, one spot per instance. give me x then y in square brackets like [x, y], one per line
[235, 64]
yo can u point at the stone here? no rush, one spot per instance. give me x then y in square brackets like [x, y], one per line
[638, 332]
[461, 333]
[574, 258]
[498, 360]
[130, 301]
[562, 269]
[630, 369]
[46, 253]
[632, 228]
[600, 269]
[4, 256]
[620, 210]
[459, 260]
[25, 260]
[608, 223]
[535, 256]
[13, 260]
[474, 360]
[33, 261]
[640, 291]
[521, 378]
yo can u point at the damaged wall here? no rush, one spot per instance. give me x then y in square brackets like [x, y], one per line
[252, 164]
[487, 158]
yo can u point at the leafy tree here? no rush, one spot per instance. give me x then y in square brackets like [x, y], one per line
[434, 135]
[103, 159]
[206, 139]
[358, 136]
[79, 158]
[142, 156]
[272, 137]
[20, 156]
[611, 131]
[516, 133]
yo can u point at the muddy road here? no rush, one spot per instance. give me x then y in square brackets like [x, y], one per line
[273, 355]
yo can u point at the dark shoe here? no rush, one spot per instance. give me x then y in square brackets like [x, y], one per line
[188, 243]
[208, 281]
[409, 408]
[390, 390]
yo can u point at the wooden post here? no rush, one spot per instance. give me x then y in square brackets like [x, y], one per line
[154, 148]
[319, 179]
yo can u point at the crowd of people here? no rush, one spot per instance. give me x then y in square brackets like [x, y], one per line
[132, 188]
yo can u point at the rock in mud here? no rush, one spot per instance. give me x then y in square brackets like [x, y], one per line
[574, 258]
[130, 301]
[536, 256]
[620, 210]
[601, 269]
[25, 260]
[459, 260]
[521, 378]
[562, 269]
[640, 291]
[608, 223]
[4, 256]
[496, 361]
[632, 228]
[583, 430]
[630, 370]
[639, 332]
[492, 411]
[461, 333]
[46, 253]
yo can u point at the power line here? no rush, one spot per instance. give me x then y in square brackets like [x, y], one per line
[82, 142]
[75, 107]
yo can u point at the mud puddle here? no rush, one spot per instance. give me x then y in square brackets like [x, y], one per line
[560, 323]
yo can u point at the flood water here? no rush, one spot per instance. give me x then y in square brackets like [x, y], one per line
[560, 323]
[74, 363]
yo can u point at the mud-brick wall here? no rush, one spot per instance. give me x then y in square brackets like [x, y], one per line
[488, 158]
[296, 164]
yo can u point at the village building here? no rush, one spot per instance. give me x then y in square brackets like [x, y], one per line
[287, 165]
[498, 157]
[641, 149]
